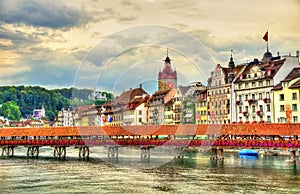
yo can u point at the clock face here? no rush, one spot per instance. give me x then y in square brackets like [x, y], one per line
[170, 84]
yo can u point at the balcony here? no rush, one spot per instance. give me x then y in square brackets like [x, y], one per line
[252, 101]
[245, 113]
[176, 110]
[238, 102]
[259, 113]
[267, 100]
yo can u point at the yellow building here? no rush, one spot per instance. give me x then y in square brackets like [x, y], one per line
[168, 107]
[201, 107]
[286, 96]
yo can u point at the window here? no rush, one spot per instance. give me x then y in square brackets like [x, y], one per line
[140, 120]
[268, 82]
[281, 120]
[261, 108]
[216, 83]
[240, 98]
[253, 84]
[294, 97]
[219, 82]
[281, 108]
[294, 107]
[253, 96]
[268, 95]
[246, 107]
[253, 118]
[268, 108]
[246, 85]
[246, 97]
[240, 109]
[295, 119]
[260, 83]
[269, 118]
[253, 109]
[240, 86]
[260, 96]
[140, 111]
[281, 97]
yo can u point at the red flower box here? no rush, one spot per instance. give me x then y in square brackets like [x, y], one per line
[245, 113]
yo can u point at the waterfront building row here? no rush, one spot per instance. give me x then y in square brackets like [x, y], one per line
[262, 91]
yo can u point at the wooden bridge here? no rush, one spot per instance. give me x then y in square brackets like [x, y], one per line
[215, 137]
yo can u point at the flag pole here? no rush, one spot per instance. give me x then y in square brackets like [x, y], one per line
[268, 42]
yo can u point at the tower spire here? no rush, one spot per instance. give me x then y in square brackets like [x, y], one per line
[168, 60]
[231, 62]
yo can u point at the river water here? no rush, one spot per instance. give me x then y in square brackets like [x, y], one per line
[195, 173]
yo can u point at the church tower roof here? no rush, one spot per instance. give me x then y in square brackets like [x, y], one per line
[167, 71]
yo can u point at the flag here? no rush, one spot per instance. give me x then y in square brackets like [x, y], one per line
[110, 119]
[266, 37]
[103, 118]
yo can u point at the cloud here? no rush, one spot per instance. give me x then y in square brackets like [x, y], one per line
[53, 14]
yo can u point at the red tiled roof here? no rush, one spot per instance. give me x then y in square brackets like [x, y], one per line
[233, 129]
[295, 73]
[295, 85]
[270, 68]
[129, 95]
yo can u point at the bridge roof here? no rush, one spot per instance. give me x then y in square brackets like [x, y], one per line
[143, 130]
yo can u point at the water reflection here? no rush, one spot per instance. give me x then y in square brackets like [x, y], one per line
[248, 161]
[195, 173]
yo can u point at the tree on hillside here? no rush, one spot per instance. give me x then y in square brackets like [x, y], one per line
[10, 110]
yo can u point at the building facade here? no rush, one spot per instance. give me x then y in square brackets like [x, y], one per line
[287, 95]
[254, 99]
[65, 117]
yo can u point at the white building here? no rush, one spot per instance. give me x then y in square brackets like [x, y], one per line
[65, 117]
[254, 100]
[38, 113]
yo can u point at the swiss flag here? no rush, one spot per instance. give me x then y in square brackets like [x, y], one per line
[266, 37]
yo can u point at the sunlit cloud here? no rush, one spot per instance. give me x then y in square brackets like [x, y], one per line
[48, 42]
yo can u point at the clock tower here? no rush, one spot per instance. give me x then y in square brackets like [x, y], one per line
[167, 78]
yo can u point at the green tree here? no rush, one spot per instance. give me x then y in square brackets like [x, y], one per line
[11, 110]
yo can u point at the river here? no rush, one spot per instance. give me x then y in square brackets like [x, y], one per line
[195, 173]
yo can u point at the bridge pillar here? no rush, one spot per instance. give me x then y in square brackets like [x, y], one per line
[293, 155]
[60, 151]
[216, 153]
[84, 151]
[178, 151]
[145, 152]
[213, 153]
[33, 151]
[113, 151]
[8, 150]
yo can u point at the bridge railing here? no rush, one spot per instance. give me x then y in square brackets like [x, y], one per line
[156, 142]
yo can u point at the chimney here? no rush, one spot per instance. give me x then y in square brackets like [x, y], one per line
[297, 54]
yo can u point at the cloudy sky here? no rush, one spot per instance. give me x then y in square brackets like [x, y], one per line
[115, 45]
